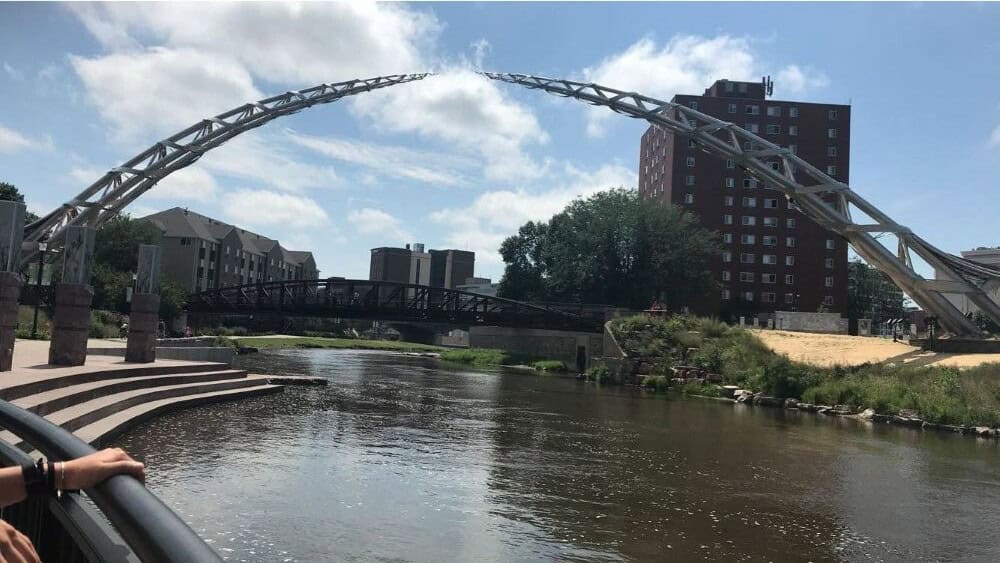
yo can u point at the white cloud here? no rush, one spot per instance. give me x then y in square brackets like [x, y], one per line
[12, 72]
[394, 161]
[259, 156]
[191, 183]
[686, 64]
[375, 221]
[497, 214]
[465, 109]
[160, 90]
[12, 141]
[793, 80]
[267, 208]
[995, 138]
[280, 42]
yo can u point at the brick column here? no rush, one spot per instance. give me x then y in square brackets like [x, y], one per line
[11, 235]
[10, 288]
[71, 322]
[145, 314]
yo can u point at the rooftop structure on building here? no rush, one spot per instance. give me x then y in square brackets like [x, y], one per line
[774, 257]
[987, 256]
[200, 253]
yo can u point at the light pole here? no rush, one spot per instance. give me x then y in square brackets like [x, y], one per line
[42, 247]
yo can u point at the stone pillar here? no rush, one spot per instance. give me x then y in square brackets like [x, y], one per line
[145, 313]
[11, 235]
[71, 322]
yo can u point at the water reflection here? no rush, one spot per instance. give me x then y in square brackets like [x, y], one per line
[401, 459]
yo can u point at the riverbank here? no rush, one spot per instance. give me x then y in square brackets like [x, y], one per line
[687, 351]
[486, 357]
[286, 341]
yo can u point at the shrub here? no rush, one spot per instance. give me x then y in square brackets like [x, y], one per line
[549, 365]
[657, 382]
[598, 374]
[698, 388]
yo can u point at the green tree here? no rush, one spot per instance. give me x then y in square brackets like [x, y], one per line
[172, 299]
[872, 295]
[613, 248]
[9, 192]
[118, 240]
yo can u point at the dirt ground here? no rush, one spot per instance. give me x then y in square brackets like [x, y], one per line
[831, 349]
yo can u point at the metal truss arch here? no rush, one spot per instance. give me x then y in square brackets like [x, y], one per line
[819, 196]
[121, 185]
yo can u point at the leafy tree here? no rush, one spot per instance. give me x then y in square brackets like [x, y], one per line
[872, 295]
[9, 192]
[612, 248]
[117, 243]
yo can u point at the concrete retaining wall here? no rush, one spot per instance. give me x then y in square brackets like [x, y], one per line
[801, 321]
[560, 345]
[190, 354]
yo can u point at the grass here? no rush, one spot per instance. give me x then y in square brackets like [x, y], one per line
[336, 343]
[489, 357]
[938, 394]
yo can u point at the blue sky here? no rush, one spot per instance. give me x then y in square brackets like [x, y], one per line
[458, 161]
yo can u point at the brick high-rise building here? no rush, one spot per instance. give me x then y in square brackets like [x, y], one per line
[774, 258]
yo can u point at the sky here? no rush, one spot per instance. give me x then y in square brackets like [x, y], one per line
[456, 160]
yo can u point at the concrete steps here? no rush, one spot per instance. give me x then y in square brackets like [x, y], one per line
[99, 404]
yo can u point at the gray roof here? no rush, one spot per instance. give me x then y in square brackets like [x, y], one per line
[180, 222]
[299, 256]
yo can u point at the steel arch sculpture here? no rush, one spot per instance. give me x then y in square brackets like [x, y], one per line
[819, 196]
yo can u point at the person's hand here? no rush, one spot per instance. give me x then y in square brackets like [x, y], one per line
[14, 547]
[87, 471]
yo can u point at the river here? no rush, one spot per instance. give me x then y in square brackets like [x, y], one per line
[403, 459]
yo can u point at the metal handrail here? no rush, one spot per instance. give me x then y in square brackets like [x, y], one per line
[149, 527]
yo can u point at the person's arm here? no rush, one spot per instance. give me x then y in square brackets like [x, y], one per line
[80, 473]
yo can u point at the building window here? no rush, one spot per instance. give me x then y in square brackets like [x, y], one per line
[688, 180]
[789, 260]
[225, 268]
[831, 170]
[690, 162]
[727, 256]
[831, 133]
[693, 105]
[831, 151]
[828, 282]
[727, 238]
[790, 298]
[726, 275]
[774, 111]
[747, 146]
[691, 144]
[749, 220]
[747, 277]
[728, 200]
[769, 278]
[748, 296]
[793, 130]
[727, 219]
[770, 203]
[748, 258]
[774, 129]
[767, 297]
[688, 198]
[770, 240]
[749, 183]
[770, 221]
[730, 163]
[732, 108]
[749, 202]
[742, 87]
[752, 127]
[794, 149]
[185, 242]
[828, 300]
[753, 110]
[790, 223]
[832, 114]
[769, 259]
[828, 263]
[831, 244]
[748, 239]
[725, 295]
[730, 182]
[793, 112]
[790, 242]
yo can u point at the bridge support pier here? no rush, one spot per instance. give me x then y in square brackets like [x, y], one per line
[144, 316]
[71, 322]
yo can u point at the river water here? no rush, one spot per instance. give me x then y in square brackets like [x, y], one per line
[402, 459]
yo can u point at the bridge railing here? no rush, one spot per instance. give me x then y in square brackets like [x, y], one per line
[386, 301]
[141, 528]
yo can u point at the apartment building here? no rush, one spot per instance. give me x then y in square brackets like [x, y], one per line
[774, 257]
[200, 253]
